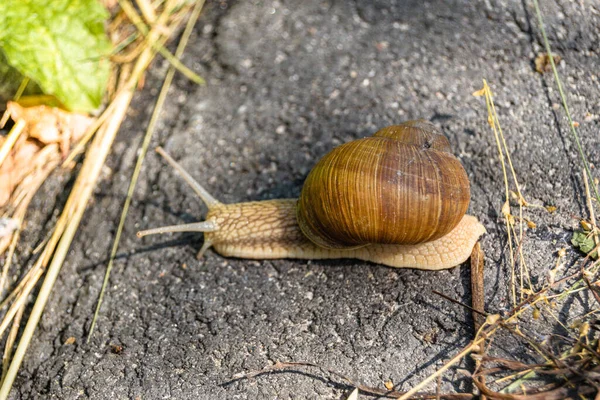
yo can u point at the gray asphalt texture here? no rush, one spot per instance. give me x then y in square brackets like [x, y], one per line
[286, 82]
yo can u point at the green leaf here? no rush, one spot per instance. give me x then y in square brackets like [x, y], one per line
[61, 45]
[584, 242]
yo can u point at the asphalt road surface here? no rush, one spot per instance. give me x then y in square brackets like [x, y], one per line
[286, 82]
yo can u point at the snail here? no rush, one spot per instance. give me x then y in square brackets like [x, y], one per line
[397, 198]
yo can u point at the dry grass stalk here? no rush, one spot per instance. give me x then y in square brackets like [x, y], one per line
[10, 341]
[478, 296]
[509, 219]
[590, 205]
[477, 285]
[56, 248]
[295, 366]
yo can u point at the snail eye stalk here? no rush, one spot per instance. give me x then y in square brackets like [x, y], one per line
[204, 226]
[206, 197]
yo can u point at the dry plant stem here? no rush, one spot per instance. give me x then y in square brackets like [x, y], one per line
[21, 209]
[137, 21]
[477, 285]
[554, 317]
[456, 359]
[45, 162]
[541, 350]
[556, 394]
[450, 299]
[17, 290]
[20, 301]
[510, 164]
[498, 134]
[594, 289]
[590, 206]
[568, 372]
[11, 139]
[10, 341]
[9, 257]
[73, 212]
[131, 54]
[522, 263]
[478, 296]
[579, 343]
[493, 121]
[510, 364]
[286, 366]
[564, 99]
[147, 11]
[147, 138]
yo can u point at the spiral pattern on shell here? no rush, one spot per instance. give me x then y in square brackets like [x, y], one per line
[402, 186]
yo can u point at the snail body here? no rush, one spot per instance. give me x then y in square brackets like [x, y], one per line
[269, 230]
[400, 195]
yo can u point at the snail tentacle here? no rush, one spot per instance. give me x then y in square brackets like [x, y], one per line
[210, 225]
[203, 226]
[206, 197]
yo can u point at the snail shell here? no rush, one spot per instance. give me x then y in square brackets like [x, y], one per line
[400, 186]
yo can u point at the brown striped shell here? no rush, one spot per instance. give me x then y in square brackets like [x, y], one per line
[402, 186]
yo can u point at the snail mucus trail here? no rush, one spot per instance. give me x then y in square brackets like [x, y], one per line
[397, 198]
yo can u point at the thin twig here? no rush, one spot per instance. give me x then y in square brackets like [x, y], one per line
[286, 366]
[173, 60]
[477, 285]
[9, 257]
[10, 341]
[556, 394]
[478, 298]
[19, 302]
[590, 205]
[468, 307]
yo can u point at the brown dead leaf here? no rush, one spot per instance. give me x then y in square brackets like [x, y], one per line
[51, 124]
[542, 62]
[44, 126]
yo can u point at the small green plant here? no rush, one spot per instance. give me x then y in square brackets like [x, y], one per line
[61, 46]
